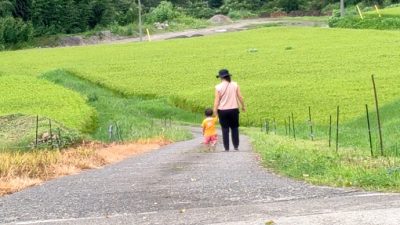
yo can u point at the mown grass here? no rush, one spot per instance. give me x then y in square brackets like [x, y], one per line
[316, 163]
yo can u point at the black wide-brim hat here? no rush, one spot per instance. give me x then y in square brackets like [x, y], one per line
[223, 73]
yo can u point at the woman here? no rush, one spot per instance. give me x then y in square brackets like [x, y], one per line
[227, 101]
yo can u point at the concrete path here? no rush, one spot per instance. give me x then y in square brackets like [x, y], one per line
[181, 184]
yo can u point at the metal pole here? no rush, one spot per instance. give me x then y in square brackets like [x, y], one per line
[330, 130]
[51, 134]
[342, 13]
[294, 130]
[337, 129]
[286, 132]
[311, 126]
[377, 115]
[37, 130]
[140, 20]
[369, 130]
[262, 126]
[59, 138]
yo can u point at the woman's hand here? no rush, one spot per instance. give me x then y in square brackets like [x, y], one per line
[243, 109]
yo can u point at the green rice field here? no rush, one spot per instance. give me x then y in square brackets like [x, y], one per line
[280, 69]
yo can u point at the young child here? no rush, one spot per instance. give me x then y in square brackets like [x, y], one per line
[209, 130]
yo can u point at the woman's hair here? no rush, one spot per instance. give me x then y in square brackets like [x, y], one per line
[208, 112]
[227, 78]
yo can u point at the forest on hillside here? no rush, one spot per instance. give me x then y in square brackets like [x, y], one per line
[22, 20]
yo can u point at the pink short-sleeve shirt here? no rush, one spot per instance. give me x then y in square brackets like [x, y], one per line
[228, 95]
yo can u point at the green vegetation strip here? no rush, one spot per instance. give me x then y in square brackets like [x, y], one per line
[131, 118]
[387, 19]
[318, 164]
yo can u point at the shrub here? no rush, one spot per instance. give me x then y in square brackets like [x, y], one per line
[200, 10]
[128, 30]
[14, 31]
[187, 21]
[126, 12]
[330, 8]
[240, 14]
[163, 12]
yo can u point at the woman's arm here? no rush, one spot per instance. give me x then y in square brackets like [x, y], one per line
[241, 101]
[216, 103]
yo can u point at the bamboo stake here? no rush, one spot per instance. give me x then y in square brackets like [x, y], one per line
[337, 129]
[311, 125]
[378, 115]
[369, 130]
[294, 130]
[330, 130]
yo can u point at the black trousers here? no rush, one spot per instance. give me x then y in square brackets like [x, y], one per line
[229, 120]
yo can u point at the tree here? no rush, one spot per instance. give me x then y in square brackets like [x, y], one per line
[22, 9]
[102, 14]
[290, 5]
[126, 11]
[6, 8]
[47, 16]
[215, 3]
[70, 19]
[14, 31]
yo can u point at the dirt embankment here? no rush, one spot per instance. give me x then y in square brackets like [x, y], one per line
[218, 23]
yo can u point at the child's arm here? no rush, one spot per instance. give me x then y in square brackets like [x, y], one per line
[215, 119]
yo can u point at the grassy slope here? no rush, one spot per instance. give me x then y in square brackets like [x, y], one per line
[318, 164]
[390, 11]
[136, 118]
[28, 95]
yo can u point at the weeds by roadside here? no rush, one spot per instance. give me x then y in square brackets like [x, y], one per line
[19, 170]
[316, 163]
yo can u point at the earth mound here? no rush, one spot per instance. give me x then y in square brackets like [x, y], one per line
[220, 19]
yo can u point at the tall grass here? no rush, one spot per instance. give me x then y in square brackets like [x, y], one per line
[20, 169]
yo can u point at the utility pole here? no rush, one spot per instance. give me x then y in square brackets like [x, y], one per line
[140, 21]
[341, 8]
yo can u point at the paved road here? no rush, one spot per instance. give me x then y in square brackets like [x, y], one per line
[236, 26]
[181, 184]
[211, 30]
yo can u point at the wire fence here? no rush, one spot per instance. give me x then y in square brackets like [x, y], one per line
[24, 132]
[334, 131]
